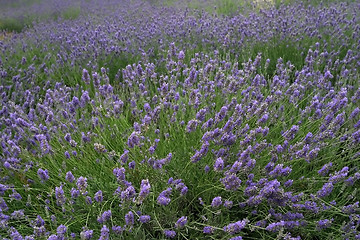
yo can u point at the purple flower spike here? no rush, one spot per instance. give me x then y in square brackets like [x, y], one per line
[69, 177]
[208, 230]
[216, 202]
[219, 164]
[129, 218]
[144, 218]
[43, 174]
[169, 233]
[86, 234]
[236, 227]
[181, 222]
[82, 184]
[98, 196]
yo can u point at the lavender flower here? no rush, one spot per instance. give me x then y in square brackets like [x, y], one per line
[105, 233]
[275, 227]
[119, 174]
[340, 175]
[43, 174]
[228, 204]
[60, 196]
[191, 126]
[98, 196]
[219, 164]
[181, 222]
[61, 230]
[144, 218]
[216, 202]
[144, 190]
[164, 197]
[325, 169]
[104, 217]
[325, 190]
[323, 224]
[82, 184]
[86, 234]
[169, 233]
[231, 182]
[88, 200]
[208, 230]
[129, 218]
[236, 227]
[236, 238]
[118, 229]
[74, 193]
[69, 177]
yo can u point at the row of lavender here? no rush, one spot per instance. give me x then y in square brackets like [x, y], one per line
[187, 146]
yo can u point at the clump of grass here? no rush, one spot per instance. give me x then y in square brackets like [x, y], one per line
[13, 25]
[71, 13]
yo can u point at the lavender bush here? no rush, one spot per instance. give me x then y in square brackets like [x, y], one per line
[150, 121]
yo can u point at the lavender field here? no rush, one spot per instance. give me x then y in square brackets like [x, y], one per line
[179, 119]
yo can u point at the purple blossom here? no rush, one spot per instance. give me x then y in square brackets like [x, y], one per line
[60, 196]
[69, 177]
[129, 218]
[17, 214]
[86, 234]
[354, 113]
[216, 202]
[231, 182]
[338, 176]
[191, 126]
[104, 233]
[325, 169]
[133, 140]
[144, 218]
[81, 184]
[219, 164]
[236, 238]
[61, 230]
[280, 170]
[128, 193]
[323, 224]
[228, 204]
[351, 208]
[275, 227]
[208, 230]
[169, 233]
[74, 193]
[325, 190]
[98, 196]
[181, 222]
[236, 227]
[118, 229]
[67, 155]
[88, 200]
[119, 173]
[104, 217]
[144, 190]
[164, 197]
[43, 174]
[356, 136]
[290, 134]
[15, 195]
